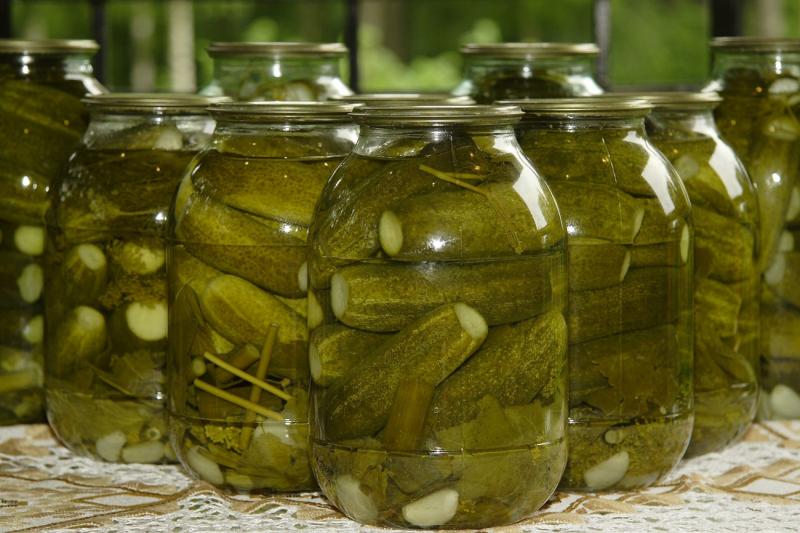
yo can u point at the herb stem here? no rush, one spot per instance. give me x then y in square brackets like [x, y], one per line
[255, 392]
[444, 176]
[241, 402]
[247, 377]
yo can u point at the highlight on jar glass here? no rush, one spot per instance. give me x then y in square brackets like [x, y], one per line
[759, 81]
[240, 316]
[726, 275]
[502, 71]
[277, 71]
[437, 267]
[42, 117]
[630, 243]
[106, 281]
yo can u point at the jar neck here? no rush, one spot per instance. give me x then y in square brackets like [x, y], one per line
[568, 124]
[109, 129]
[673, 123]
[481, 65]
[46, 66]
[284, 139]
[765, 62]
[272, 67]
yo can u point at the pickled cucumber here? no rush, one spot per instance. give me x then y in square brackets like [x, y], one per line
[295, 185]
[490, 221]
[513, 365]
[334, 350]
[388, 297]
[645, 299]
[595, 266]
[242, 312]
[267, 253]
[429, 348]
[601, 212]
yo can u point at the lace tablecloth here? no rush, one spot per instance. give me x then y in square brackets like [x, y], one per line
[754, 486]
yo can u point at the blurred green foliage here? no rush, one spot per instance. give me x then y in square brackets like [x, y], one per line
[404, 44]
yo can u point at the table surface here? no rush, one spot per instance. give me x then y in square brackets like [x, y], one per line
[753, 486]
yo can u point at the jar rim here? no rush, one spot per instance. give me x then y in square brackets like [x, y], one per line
[397, 99]
[275, 49]
[281, 112]
[437, 115]
[530, 50]
[48, 46]
[675, 100]
[599, 106]
[151, 103]
[756, 44]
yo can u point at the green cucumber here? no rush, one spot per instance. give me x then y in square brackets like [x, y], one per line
[661, 224]
[85, 273]
[334, 350]
[265, 252]
[386, 297]
[242, 313]
[648, 297]
[718, 305]
[780, 332]
[185, 269]
[594, 266]
[21, 280]
[428, 349]
[514, 365]
[494, 220]
[783, 277]
[139, 325]
[78, 339]
[732, 245]
[278, 189]
[596, 211]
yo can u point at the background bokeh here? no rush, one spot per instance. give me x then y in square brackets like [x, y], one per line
[403, 44]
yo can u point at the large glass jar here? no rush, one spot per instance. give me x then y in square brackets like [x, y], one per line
[726, 276]
[240, 316]
[41, 120]
[277, 71]
[759, 81]
[439, 375]
[630, 270]
[528, 70]
[106, 281]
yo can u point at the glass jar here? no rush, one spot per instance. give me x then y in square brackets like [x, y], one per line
[630, 272]
[42, 117]
[277, 71]
[726, 276]
[106, 281]
[759, 81]
[503, 71]
[240, 312]
[439, 370]
[395, 99]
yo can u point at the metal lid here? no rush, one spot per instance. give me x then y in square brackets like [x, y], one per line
[756, 44]
[276, 49]
[437, 115]
[600, 106]
[48, 46]
[155, 103]
[281, 112]
[678, 100]
[396, 99]
[530, 50]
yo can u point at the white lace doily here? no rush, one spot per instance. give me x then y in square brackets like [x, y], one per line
[753, 486]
